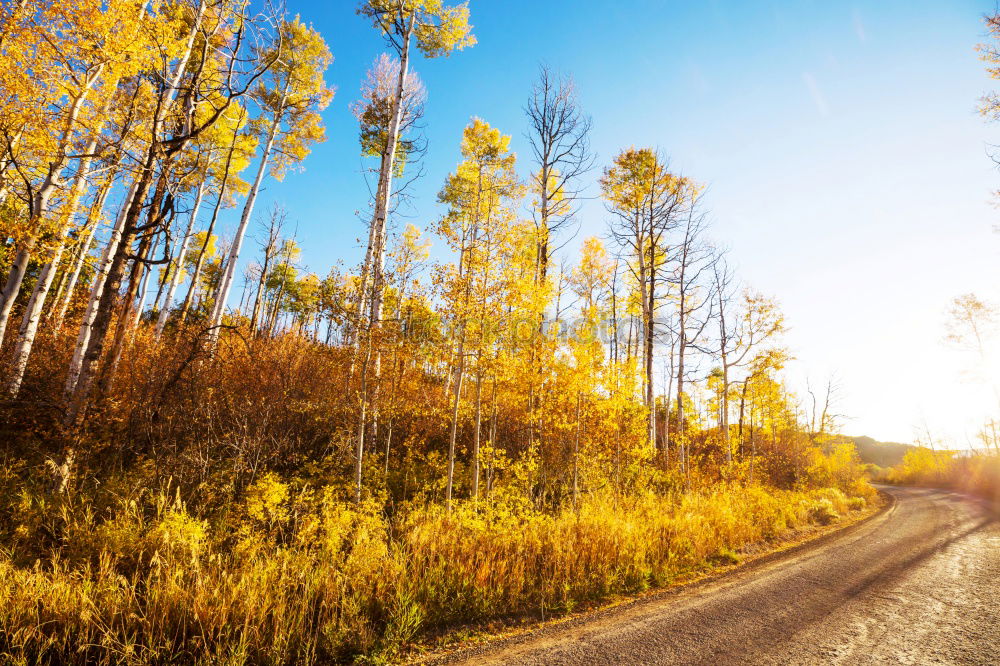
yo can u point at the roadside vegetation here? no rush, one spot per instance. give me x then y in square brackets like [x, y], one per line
[972, 472]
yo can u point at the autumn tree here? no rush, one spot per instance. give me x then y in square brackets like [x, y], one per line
[64, 76]
[292, 99]
[437, 29]
[559, 135]
[216, 80]
[648, 202]
[480, 195]
[691, 262]
[374, 112]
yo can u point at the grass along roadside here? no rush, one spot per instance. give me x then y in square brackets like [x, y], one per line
[460, 644]
[300, 577]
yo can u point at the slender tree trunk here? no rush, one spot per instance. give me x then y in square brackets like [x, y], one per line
[378, 231]
[83, 250]
[359, 438]
[384, 192]
[163, 278]
[131, 304]
[492, 440]
[234, 250]
[175, 278]
[257, 302]
[743, 402]
[576, 453]
[143, 286]
[725, 411]
[648, 343]
[61, 275]
[97, 291]
[200, 261]
[478, 426]
[453, 434]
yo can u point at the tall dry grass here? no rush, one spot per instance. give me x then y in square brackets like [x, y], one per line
[294, 575]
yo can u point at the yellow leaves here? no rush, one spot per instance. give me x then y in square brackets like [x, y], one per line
[593, 272]
[439, 28]
[178, 537]
[637, 176]
[266, 500]
[297, 93]
[482, 143]
[479, 186]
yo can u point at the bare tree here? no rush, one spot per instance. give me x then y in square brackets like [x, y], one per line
[745, 322]
[692, 261]
[823, 419]
[269, 245]
[560, 142]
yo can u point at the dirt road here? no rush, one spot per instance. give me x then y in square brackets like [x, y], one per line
[919, 584]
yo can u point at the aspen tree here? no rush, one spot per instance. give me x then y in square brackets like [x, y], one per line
[647, 202]
[82, 249]
[84, 43]
[691, 265]
[33, 310]
[437, 30]
[479, 195]
[276, 221]
[374, 112]
[238, 155]
[174, 272]
[744, 323]
[233, 21]
[293, 98]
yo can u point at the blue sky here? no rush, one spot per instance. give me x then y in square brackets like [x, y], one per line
[846, 165]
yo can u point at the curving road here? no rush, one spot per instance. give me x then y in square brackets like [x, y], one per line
[918, 584]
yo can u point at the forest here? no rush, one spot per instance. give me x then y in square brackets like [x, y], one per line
[209, 461]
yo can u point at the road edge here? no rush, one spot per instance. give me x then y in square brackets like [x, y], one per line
[488, 644]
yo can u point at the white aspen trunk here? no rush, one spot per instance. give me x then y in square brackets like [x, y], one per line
[362, 297]
[164, 275]
[39, 206]
[14, 279]
[83, 250]
[175, 279]
[143, 284]
[478, 427]
[453, 434]
[384, 192]
[376, 250]
[374, 266]
[234, 251]
[94, 328]
[576, 453]
[96, 291]
[199, 262]
[6, 163]
[33, 311]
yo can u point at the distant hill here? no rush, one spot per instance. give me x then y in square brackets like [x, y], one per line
[883, 454]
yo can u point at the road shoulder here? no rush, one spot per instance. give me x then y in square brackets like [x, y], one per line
[489, 639]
